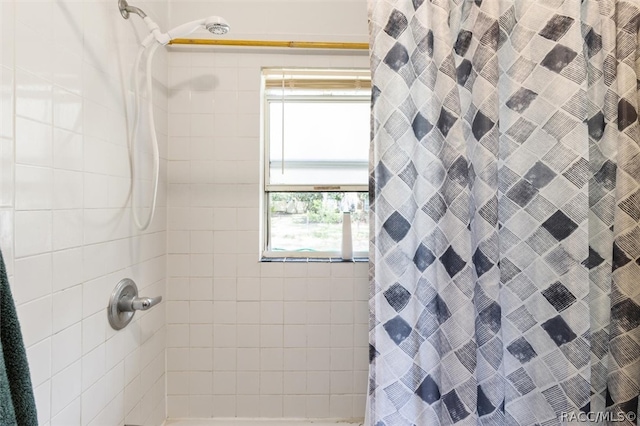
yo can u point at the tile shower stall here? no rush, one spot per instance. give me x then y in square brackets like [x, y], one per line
[233, 337]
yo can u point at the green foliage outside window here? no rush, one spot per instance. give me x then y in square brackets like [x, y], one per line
[320, 207]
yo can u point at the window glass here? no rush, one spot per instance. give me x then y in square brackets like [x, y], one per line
[325, 142]
[316, 160]
[311, 222]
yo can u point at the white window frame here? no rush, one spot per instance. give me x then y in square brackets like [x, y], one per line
[267, 187]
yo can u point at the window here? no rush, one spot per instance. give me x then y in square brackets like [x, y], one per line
[316, 160]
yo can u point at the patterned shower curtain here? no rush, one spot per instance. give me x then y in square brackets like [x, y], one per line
[505, 182]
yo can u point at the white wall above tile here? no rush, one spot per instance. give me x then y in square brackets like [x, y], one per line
[280, 19]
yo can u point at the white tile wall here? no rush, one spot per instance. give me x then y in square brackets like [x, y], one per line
[65, 228]
[244, 338]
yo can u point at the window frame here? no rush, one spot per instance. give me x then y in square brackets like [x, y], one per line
[267, 187]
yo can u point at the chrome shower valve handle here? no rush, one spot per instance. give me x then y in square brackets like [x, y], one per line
[144, 303]
[124, 303]
[131, 304]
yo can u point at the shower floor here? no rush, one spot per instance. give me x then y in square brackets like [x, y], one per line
[261, 422]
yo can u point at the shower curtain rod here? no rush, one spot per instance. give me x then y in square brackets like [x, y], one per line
[272, 43]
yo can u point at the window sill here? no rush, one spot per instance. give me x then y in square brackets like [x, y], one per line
[313, 260]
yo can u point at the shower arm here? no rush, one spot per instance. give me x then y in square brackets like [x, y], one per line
[154, 29]
[125, 10]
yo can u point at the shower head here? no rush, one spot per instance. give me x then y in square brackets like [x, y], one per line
[216, 25]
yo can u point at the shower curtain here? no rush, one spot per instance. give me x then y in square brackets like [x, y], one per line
[505, 183]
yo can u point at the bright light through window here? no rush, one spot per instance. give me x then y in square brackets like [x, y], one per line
[322, 144]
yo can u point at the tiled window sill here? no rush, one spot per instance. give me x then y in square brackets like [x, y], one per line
[314, 259]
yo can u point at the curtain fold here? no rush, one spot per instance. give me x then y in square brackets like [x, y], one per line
[505, 207]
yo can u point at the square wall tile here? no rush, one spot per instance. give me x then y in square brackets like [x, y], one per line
[277, 332]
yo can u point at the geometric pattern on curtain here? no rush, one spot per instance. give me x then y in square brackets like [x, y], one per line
[505, 203]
